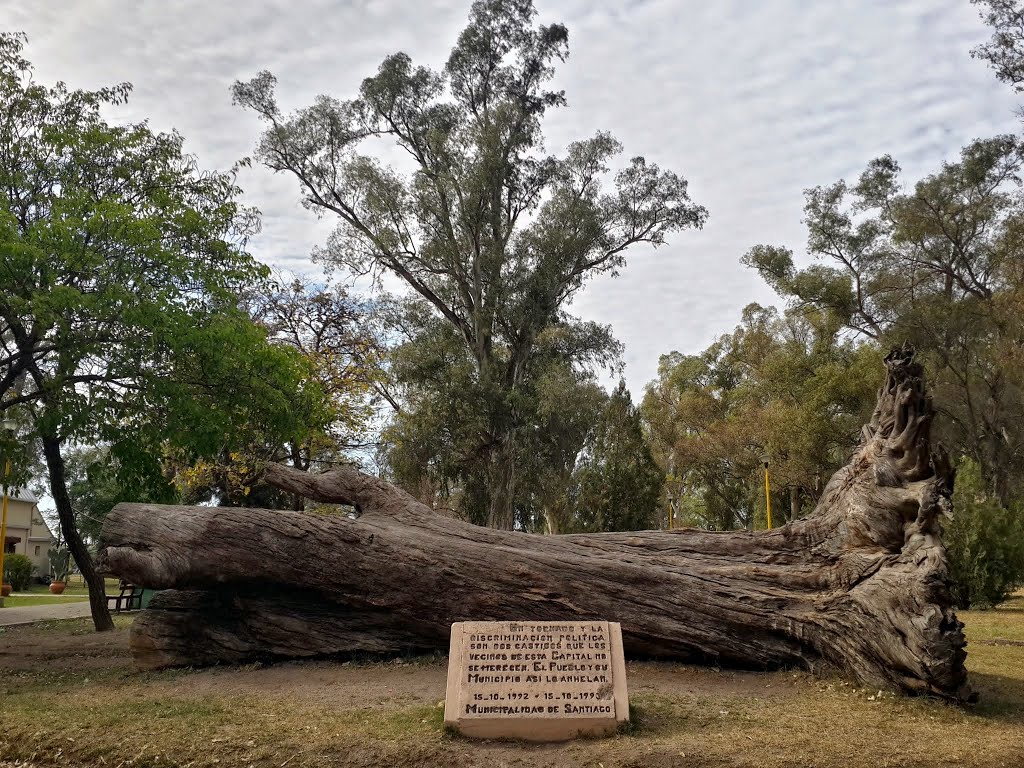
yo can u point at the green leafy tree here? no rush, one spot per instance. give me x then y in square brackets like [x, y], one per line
[338, 336]
[119, 321]
[1004, 52]
[618, 482]
[231, 401]
[334, 336]
[94, 483]
[569, 402]
[788, 388]
[984, 541]
[432, 447]
[939, 266]
[494, 236]
[703, 440]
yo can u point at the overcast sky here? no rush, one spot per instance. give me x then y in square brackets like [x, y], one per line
[750, 100]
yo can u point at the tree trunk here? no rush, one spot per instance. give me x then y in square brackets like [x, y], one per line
[860, 585]
[794, 502]
[298, 503]
[551, 521]
[58, 488]
[501, 482]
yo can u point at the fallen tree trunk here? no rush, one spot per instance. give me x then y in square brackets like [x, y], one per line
[860, 585]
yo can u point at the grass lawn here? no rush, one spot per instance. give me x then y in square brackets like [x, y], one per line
[298, 715]
[20, 601]
[75, 586]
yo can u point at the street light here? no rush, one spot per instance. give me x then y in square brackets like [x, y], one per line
[8, 426]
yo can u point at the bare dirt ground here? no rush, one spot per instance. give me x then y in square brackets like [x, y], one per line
[71, 697]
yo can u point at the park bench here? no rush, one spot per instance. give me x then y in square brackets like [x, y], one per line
[129, 599]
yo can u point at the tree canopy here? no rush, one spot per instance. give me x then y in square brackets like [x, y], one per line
[1004, 51]
[938, 266]
[336, 342]
[120, 322]
[786, 388]
[493, 235]
[617, 483]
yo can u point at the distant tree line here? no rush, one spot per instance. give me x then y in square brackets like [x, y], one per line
[937, 263]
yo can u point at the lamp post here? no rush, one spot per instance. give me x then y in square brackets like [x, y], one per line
[767, 491]
[8, 426]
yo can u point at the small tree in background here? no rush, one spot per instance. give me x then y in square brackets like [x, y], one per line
[984, 542]
[618, 482]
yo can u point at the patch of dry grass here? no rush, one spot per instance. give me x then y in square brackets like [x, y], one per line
[109, 715]
[109, 720]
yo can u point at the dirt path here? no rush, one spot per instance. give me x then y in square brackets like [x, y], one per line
[342, 684]
[32, 613]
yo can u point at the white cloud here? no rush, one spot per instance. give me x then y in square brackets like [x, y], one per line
[752, 102]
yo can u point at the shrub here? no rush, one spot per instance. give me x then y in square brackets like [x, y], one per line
[60, 563]
[17, 571]
[984, 542]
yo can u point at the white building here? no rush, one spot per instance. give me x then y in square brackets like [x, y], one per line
[27, 532]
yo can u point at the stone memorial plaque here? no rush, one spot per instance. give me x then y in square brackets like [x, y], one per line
[536, 680]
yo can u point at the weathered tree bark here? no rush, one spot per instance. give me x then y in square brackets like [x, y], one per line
[860, 585]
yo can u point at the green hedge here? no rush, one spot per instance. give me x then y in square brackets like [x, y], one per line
[17, 571]
[984, 543]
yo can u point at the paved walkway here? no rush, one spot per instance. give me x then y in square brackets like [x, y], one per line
[30, 613]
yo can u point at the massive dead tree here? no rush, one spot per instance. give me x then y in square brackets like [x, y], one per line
[860, 585]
